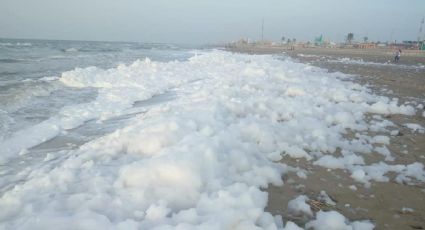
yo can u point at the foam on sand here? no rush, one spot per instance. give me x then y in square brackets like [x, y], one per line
[333, 220]
[199, 161]
[346, 60]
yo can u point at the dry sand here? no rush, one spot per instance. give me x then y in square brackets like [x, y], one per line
[382, 203]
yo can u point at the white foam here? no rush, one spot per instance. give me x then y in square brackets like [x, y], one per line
[381, 140]
[119, 88]
[201, 160]
[382, 107]
[308, 55]
[298, 206]
[15, 44]
[415, 127]
[386, 64]
[324, 197]
[292, 226]
[71, 49]
[333, 220]
[377, 172]
[332, 162]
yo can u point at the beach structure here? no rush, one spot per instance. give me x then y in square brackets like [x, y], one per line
[318, 41]
[422, 45]
[365, 46]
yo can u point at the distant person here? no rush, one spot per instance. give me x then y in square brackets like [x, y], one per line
[397, 56]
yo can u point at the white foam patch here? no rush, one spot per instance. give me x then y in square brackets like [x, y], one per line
[333, 220]
[381, 140]
[292, 226]
[378, 171]
[346, 60]
[391, 107]
[324, 197]
[415, 127]
[308, 55]
[298, 206]
[332, 162]
[201, 160]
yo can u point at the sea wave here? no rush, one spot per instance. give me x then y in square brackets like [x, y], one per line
[16, 95]
[16, 44]
[12, 60]
[71, 50]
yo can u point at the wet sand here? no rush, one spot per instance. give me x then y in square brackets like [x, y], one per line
[383, 202]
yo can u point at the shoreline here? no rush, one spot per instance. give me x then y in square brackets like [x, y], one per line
[375, 53]
[384, 203]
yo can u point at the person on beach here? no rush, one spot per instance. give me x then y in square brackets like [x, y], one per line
[397, 55]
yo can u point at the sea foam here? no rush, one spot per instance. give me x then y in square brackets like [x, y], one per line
[201, 160]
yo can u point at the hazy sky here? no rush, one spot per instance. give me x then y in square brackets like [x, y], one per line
[208, 21]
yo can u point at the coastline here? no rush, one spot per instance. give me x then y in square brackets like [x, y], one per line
[408, 57]
[385, 203]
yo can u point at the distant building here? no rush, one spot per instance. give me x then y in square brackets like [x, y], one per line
[318, 41]
[409, 45]
[422, 45]
[365, 46]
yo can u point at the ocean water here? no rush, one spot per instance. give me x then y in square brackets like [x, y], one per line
[30, 89]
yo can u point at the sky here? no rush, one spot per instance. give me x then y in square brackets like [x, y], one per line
[210, 21]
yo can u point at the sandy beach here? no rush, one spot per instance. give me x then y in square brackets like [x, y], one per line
[389, 205]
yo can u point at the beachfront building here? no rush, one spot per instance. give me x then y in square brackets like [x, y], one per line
[408, 45]
[422, 45]
[365, 46]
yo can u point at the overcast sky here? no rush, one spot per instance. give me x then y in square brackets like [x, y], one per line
[209, 21]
